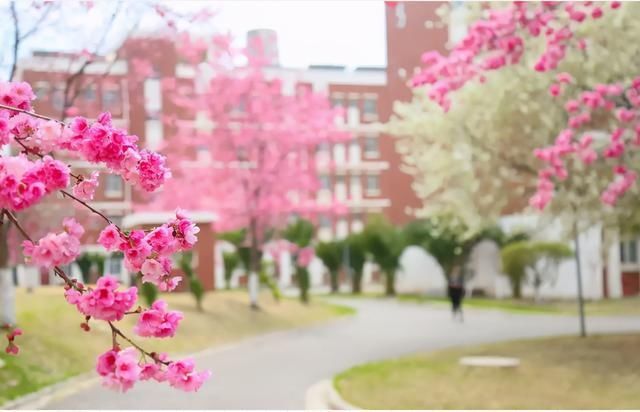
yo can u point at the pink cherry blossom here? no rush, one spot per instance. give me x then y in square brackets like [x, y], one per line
[104, 302]
[86, 188]
[24, 182]
[181, 375]
[305, 256]
[157, 321]
[12, 348]
[555, 89]
[119, 369]
[110, 238]
[55, 249]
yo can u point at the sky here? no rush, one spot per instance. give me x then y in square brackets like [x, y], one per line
[350, 33]
[337, 32]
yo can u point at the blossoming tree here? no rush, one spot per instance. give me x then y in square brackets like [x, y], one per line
[555, 39]
[480, 162]
[580, 50]
[91, 36]
[33, 174]
[250, 157]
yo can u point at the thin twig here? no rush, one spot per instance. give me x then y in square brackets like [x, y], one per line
[135, 345]
[39, 116]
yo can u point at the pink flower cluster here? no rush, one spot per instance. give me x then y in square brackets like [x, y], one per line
[149, 253]
[86, 188]
[55, 249]
[305, 256]
[97, 142]
[499, 40]
[157, 321]
[16, 94]
[12, 348]
[100, 142]
[104, 302]
[624, 180]
[603, 97]
[24, 183]
[121, 369]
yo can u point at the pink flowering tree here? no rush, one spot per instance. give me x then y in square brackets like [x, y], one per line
[600, 126]
[34, 174]
[251, 155]
[479, 163]
[93, 35]
[583, 53]
[300, 235]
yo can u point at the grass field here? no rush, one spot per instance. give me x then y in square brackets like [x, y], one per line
[599, 372]
[54, 347]
[625, 306]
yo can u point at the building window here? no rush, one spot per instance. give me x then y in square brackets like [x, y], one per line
[323, 147]
[373, 185]
[337, 102]
[370, 107]
[57, 98]
[111, 100]
[113, 186]
[325, 182]
[41, 90]
[353, 112]
[401, 16]
[342, 229]
[339, 154]
[324, 222]
[354, 151]
[89, 93]
[340, 189]
[154, 134]
[203, 154]
[356, 223]
[355, 187]
[629, 251]
[114, 265]
[371, 149]
[152, 97]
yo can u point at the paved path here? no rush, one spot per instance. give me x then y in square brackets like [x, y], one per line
[274, 371]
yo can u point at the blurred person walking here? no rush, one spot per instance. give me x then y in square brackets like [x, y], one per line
[456, 295]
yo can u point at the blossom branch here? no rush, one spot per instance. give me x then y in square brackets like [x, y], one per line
[116, 331]
[56, 269]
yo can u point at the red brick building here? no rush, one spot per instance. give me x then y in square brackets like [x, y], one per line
[366, 175]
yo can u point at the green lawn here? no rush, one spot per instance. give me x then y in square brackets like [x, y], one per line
[599, 372]
[625, 306]
[54, 347]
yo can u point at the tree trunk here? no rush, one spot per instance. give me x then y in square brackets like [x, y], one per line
[254, 267]
[516, 288]
[333, 276]
[7, 289]
[303, 284]
[355, 283]
[390, 286]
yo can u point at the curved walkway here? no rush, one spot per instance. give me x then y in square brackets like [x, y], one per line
[274, 371]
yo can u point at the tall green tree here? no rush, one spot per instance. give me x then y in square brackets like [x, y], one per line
[355, 255]
[300, 232]
[385, 243]
[331, 255]
[538, 259]
[230, 260]
[185, 263]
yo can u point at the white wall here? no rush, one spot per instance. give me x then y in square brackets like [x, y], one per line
[420, 273]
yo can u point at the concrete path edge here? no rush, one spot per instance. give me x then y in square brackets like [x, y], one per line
[323, 395]
[42, 397]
